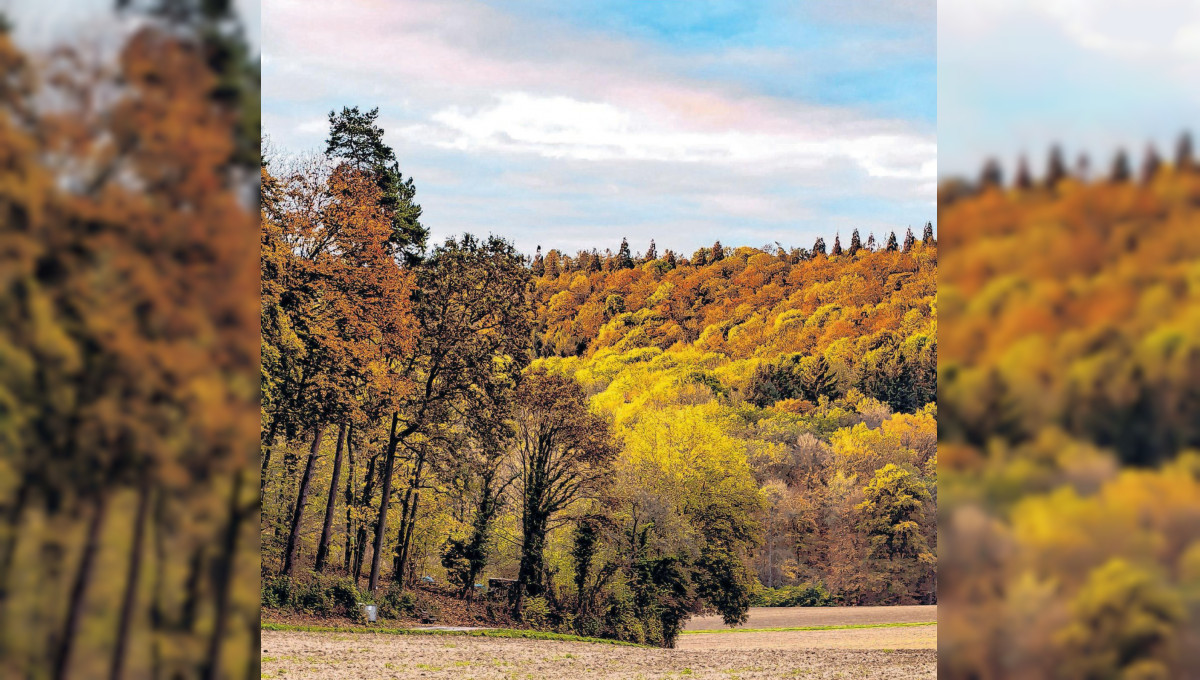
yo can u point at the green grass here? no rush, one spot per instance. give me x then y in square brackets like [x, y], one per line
[850, 626]
[493, 633]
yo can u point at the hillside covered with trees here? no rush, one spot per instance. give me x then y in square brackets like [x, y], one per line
[630, 438]
[1070, 480]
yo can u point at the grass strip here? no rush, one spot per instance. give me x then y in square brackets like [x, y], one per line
[849, 626]
[492, 633]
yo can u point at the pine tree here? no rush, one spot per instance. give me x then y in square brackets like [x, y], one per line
[1150, 164]
[670, 258]
[651, 252]
[991, 176]
[356, 139]
[927, 237]
[1183, 153]
[1056, 168]
[1120, 168]
[700, 257]
[855, 242]
[871, 245]
[892, 246]
[909, 240]
[1024, 180]
[624, 259]
[718, 252]
[539, 265]
[837, 245]
[818, 247]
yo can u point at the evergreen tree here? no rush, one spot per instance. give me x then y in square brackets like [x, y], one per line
[624, 259]
[718, 252]
[855, 242]
[909, 240]
[1183, 152]
[1150, 164]
[700, 257]
[927, 237]
[871, 245]
[1120, 168]
[355, 138]
[651, 252]
[892, 246]
[539, 265]
[1024, 180]
[818, 247]
[837, 244]
[670, 258]
[991, 176]
[1056, 168]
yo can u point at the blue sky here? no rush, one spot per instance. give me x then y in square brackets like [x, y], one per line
[574, 124]
[1017, 76]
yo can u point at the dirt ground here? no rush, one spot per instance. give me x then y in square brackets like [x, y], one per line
[873, 653]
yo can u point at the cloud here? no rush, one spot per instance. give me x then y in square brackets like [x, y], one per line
[554, 127]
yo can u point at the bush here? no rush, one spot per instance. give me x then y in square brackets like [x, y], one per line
[397, 602]
[536, 612]
[803, 595]
[277, 592]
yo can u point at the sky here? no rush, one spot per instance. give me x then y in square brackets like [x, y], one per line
[572, 124]
[1016, 76]
[38, 22]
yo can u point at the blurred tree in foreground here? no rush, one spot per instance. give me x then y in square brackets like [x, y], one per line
[1068, 426]
[127, 365]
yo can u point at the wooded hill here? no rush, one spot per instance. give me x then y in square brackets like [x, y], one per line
[1070, 484]
[632, 439]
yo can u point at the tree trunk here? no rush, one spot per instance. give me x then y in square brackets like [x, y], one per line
[408, 518]
[8, 551]
[267, 446]
[331, 503]
[381, 522]
[132, 576]
[293, 544]
[533, 546]
[192, 586]
[364, 502]
[223, 578]
[157, 615]
[79, 588]
[349, 497]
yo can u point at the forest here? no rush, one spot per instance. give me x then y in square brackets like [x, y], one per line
[1070, 474]
[128, 350]
[607, 443]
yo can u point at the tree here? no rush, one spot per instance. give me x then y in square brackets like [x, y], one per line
[1056, 167]
[563, 452]
[837, 245]
[539, 264]
[1150, 164]
[718, 252]
[475, 337]
[892, 512]
[819, 246]
[927, 237]
[871, 245]
[909, 240]
[892, 245]
[356, 139]
[624, 258]
[992, 177]
[1183, 153]
[1120, 168]
[651, 252]
[1024, 179]
[855, 243]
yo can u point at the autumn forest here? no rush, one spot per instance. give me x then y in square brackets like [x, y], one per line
[602, 443]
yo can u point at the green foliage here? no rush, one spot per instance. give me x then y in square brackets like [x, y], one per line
[802, 595]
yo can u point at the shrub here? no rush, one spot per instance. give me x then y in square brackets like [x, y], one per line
[803, 595]
[536, 612]
[277, 592]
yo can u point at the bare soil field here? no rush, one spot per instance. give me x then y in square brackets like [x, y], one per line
[871, 653]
